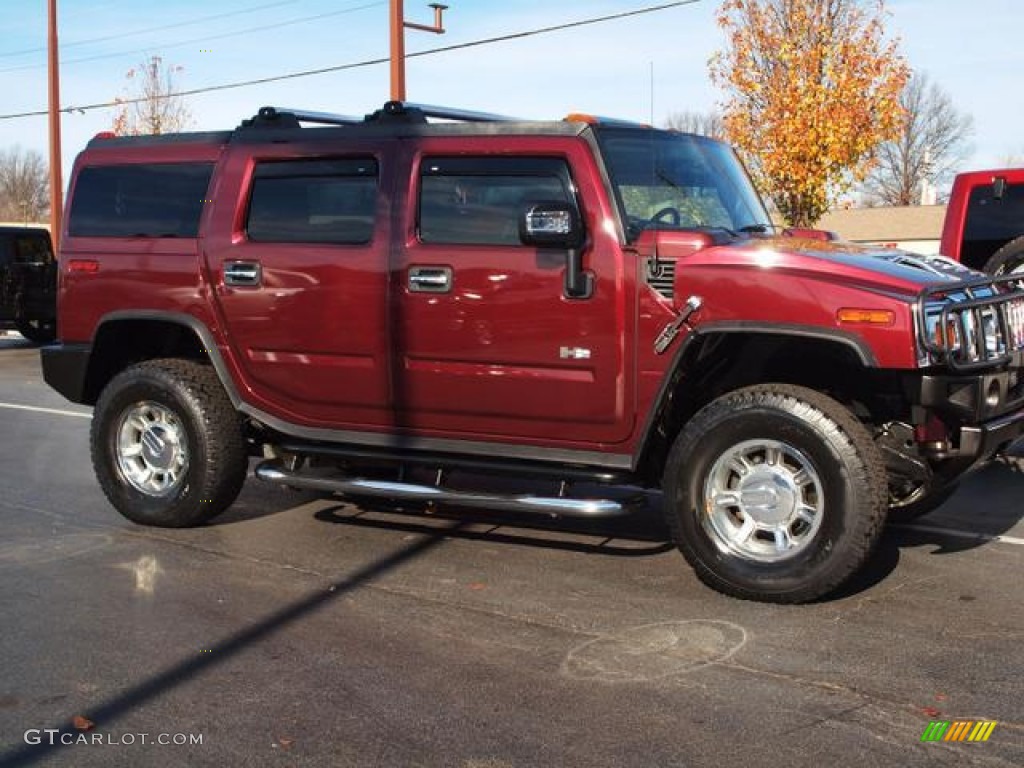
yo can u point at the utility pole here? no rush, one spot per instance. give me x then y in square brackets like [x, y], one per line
[56, 180]
[398, 25]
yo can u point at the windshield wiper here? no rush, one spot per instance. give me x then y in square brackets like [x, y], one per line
[759, 229]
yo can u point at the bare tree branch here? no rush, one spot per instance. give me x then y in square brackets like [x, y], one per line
[701, 123]
[155, 106]
[933, 142]
[24, 186]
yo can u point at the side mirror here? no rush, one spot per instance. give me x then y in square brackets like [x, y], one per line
[551, 225]
[558, 225]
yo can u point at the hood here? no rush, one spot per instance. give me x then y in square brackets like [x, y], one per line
[884, 267]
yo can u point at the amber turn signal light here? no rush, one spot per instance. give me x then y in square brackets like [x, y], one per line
[854, 316]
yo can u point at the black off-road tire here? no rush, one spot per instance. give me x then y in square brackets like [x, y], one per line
[926, 504]
[851, 475]
[1007, 259]
[38, 331]
[216, 446]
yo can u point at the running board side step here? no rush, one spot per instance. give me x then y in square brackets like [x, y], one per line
[554, 506]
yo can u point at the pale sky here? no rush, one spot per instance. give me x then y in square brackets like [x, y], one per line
[971, 49]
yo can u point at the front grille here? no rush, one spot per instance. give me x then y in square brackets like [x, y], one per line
[974, 323]
[661, 276]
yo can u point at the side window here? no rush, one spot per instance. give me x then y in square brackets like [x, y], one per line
[313, 201]
[478, 201]
[32, 250]
[150, 200]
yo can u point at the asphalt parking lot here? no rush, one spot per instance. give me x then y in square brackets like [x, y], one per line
[302, 631]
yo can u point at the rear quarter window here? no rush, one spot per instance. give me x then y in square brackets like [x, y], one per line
[144, 200]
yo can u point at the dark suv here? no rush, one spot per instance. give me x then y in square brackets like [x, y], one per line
[408, 308]
[28, 283]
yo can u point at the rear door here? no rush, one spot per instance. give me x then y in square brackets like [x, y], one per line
[487, 345]
[298, 254]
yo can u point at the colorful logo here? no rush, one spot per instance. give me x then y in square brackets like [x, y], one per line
[958, 730]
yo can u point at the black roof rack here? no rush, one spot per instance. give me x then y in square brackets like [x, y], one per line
[396, 111]
[281, 117]
[447, 113]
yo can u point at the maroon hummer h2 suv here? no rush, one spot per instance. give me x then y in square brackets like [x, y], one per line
[408, 304]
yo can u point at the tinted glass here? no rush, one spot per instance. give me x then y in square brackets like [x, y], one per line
[32, 249]
[992, 222]
[479, 201]
[313, 201]
[669, 180]
[155, 200]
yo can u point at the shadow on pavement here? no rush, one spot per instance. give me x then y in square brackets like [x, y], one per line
[620, 537]
[12, 340]
[962, 523]
[109, 711]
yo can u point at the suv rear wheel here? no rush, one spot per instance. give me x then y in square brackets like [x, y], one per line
[775, 493]
[168, 447]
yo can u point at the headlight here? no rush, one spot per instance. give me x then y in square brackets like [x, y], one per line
[973, 334]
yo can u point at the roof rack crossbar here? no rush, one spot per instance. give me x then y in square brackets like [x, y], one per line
[308, 116]
[464, 115]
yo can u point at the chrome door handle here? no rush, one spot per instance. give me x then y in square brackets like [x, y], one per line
[430, 279]
[246, 274]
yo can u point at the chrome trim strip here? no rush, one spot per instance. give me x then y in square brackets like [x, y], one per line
[273, 472]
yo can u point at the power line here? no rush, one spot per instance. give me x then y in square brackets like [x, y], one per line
[137, 32]
[208, 38]
[369, 62]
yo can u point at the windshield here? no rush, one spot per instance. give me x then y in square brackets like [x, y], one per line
[677, 181]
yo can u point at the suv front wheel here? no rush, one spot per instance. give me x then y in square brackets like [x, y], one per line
[775, 493]
[168, 447]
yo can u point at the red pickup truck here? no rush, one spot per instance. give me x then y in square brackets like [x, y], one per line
[410, 304]
[984, 225]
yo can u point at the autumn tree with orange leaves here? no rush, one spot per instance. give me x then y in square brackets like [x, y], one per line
[812, 89]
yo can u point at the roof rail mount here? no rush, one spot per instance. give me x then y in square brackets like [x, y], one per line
[413, 112]
[284, 117]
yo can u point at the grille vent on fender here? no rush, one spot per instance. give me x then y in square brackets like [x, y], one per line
[660, 275]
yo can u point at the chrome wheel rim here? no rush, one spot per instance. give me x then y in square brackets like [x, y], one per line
[763, 501]
[152, 449]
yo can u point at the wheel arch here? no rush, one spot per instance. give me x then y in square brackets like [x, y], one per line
[714, 360]
[126, 337]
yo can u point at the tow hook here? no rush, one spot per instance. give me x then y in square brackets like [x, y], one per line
[669, 333]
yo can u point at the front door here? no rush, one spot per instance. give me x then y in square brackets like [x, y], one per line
[487, 344]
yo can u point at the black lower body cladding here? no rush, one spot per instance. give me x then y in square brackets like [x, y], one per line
[65, 367]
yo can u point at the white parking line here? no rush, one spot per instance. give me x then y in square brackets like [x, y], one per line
[955, 533]
[37, 409]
